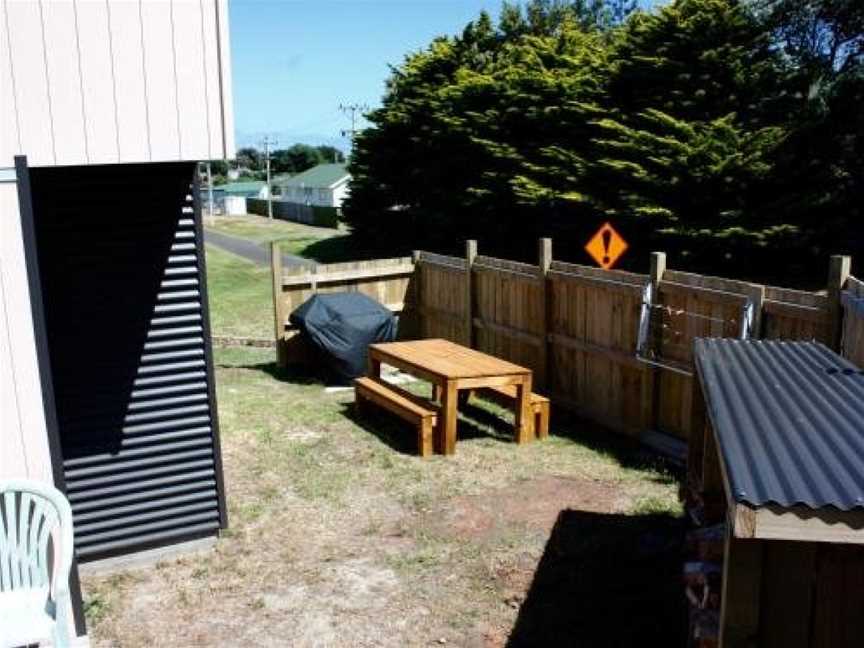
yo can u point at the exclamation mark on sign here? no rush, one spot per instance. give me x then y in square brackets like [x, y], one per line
[607, 240]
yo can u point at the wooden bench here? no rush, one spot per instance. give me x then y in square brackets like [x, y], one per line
[403, 404]
[539, 405]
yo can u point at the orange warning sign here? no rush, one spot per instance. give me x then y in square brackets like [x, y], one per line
[606, 246]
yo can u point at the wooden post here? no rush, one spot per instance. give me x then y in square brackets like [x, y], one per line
[838, 273]
[742, 584]
[650, 374]
[278, 303]
[417, 295]
[470, 255]
[544, 262]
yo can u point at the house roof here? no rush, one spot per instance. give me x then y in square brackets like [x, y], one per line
[249, 186]
[789, 421]
[321, 176]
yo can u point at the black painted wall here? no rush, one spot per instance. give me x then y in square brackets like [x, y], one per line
[123, 285]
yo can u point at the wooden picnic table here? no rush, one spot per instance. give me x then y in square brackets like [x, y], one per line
[451, 367]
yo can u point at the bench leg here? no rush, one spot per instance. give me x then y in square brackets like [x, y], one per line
[359, 405]
[524, 423]
[425, 436]
[542, 421]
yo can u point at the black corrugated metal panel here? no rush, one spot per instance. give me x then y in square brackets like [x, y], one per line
[125, 305]
[789, 420]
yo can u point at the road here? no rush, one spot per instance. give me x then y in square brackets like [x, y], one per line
[251, 251]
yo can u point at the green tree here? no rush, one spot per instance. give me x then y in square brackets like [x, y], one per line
[687, 125]
[330, 154]
[249, 157]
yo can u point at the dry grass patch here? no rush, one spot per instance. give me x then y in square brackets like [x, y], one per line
[340, 537]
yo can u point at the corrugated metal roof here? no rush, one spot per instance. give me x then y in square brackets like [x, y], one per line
[241, 188]
[789, 420]
[321, 176]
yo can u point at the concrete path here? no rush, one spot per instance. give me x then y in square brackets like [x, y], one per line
[251, 251]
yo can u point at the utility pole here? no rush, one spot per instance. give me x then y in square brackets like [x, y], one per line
[266, 144]
[352, 110]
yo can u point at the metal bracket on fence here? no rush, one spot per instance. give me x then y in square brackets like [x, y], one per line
[645, 332]
[645, 319]
[747, 320]
[850, 304]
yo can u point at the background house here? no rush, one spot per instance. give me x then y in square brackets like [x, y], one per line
[230, 199]
[245, 189]
[325, 185]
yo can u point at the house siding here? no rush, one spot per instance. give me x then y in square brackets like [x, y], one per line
[24, 451]
[121, 81]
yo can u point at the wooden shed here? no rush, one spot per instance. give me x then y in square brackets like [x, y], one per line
[780, 460]
[106, 382]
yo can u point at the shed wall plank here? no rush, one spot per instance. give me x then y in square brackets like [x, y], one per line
[23, 442]
[97, 73]
[191, 83]
[64, 82]
[161, 80]
[31, 82]
[226, 96]
[128, 51]
[9, 136]
[212, 84]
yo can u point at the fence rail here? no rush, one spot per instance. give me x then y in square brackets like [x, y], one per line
[615, 346]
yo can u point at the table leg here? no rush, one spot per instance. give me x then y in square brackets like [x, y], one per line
[524, 417]
[449, 403]
[374, 366]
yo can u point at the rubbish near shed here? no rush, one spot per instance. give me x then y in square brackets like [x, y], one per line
[340, 327]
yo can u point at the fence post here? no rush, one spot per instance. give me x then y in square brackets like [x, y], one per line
[544, 256]
[278, 305]
[649, 375]
[838, 273]
[470, 255]
[417, 295]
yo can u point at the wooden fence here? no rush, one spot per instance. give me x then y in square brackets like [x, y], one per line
[388, 281]
[614, 346]
[578, 327]
[853, 321]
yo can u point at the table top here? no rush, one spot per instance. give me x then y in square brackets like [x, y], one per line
[446, 359]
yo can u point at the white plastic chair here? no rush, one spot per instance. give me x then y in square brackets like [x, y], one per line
[35, 559]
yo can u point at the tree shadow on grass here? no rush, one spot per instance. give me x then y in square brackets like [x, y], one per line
[606, 580]
[625, 449]
[292, 374]
[339, 248]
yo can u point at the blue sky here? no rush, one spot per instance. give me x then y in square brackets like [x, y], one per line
[295, 61]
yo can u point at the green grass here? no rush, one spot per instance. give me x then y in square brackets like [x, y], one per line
[240, 295]
[318, 497]
[321, 244]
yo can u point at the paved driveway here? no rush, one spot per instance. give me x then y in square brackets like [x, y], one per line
[251, 251]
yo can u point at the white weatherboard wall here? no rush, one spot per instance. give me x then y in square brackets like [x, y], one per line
[114, 81]
[23, 438]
